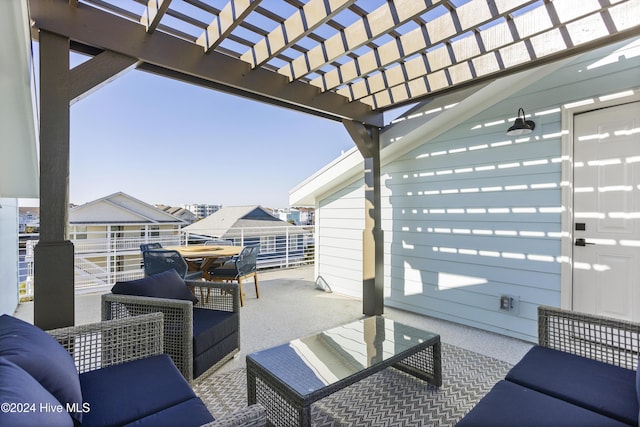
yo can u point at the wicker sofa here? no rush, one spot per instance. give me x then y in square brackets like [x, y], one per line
[583, 372]
[103, 374]
[200, 334]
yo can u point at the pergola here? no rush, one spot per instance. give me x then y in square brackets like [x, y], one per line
[344, 60]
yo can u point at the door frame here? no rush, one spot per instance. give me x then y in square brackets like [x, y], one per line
[566, 181]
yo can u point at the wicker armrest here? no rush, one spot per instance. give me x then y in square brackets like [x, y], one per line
[178, 323]
[102, 344]
[252, 416]
[216, 295]
[609, 340]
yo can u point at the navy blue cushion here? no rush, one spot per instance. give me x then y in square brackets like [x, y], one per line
[192, 413]
[211, 327]
[206, 359]
[597, 386]
[43, 358]
[122, 394]
[25, 402]
[167, 284]
[509, 405]
[638, 387]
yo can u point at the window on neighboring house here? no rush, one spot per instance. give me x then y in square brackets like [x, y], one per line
[268, 244]
[154, 231]
[81, 232]
[294, 243]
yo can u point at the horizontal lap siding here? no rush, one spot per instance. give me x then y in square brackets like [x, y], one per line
[472, 214]
[476, 214]
[340, 224]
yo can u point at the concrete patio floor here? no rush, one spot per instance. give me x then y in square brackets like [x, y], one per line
[290, 306]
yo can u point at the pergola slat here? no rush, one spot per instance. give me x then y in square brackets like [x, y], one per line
[591, 28]
[231, 16]
[299, 25]
[380, 21]
[421, 39]
[153, 13]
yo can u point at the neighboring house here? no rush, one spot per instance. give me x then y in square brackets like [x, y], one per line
[107, 234]
[479, 227]
[280, 242]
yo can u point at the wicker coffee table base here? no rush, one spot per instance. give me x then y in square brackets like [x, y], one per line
[286, 408]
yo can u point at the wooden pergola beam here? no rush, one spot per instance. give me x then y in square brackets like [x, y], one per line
[230, 17]
[153, 13]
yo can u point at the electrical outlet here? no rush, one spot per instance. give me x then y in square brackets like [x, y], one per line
[510, 303]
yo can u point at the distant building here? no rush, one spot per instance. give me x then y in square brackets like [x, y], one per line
[202, 210]
[28, 219]
[297, 216]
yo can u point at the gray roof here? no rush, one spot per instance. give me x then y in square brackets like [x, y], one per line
[227, 222]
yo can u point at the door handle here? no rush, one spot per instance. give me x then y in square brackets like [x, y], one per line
[582, 242]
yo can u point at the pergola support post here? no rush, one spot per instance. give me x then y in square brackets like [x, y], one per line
[54, 287]
[54, 304]
[367, 139]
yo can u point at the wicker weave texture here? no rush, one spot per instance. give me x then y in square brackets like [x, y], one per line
[600, 338]
[102, 344]
[252, 416]
[178, 316]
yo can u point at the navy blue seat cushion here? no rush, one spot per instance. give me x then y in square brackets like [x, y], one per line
[638, 387]
[26, 402]
[509, 404]
[43, 358]
[191, 413]
[597, 386]
[211, 327]
[205, 360]
[167, 284]
[122, 394]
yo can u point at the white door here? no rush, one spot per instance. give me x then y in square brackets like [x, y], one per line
[606, 250]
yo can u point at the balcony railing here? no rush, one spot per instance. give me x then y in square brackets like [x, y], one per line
[103, 258]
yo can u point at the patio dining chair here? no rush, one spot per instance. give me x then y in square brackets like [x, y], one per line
[157, 261]
[150, 246]
[238, 268]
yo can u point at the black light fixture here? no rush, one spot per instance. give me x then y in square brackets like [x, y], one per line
[521, 126]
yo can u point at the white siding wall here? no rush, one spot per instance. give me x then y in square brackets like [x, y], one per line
[473, 214]
[340, 221]
[8, 255]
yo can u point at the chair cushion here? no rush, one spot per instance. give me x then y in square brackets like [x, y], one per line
[206, 359]
[192, 412]
[121, 394]
[211, 327]
[597, 386]
[509, 404]
[167, 284]
[638, 387]
[26, 402]
[43, 358]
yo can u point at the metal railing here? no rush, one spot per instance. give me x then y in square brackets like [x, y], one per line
[103, 258]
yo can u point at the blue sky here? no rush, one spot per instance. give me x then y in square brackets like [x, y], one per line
[164, 141]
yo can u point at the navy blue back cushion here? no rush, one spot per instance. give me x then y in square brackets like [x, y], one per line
[167, 284]
[600, 387]
[43, 358]
[25, 402]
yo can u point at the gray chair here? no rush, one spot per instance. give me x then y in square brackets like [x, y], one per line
[238, 268]
[218, 242]
[157, 261]
[150, 246]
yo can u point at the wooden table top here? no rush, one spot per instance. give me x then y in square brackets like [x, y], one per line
[205, 251]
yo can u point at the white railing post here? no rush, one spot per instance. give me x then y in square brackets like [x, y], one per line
[286, 247]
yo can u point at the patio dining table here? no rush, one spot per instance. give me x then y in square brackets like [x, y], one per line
[208, 254]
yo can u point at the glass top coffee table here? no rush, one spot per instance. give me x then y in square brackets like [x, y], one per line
[288, 378]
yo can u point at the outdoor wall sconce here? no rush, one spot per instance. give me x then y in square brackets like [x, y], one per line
[521, 126]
